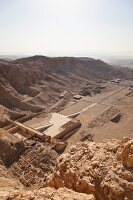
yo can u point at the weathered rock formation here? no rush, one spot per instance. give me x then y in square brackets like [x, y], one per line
[7, 183]
[10, 148]
[95, 171]
[125, 153]
[35, 164]
[48, 194]
[102, 169]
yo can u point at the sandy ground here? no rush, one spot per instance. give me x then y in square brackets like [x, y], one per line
[76, 107]
[125, 126]
[114, 96]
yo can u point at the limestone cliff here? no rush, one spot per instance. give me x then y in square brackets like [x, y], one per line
[102, 169]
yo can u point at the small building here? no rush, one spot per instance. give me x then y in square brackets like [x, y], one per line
[115, 81]
[62, 126]
[77, 97]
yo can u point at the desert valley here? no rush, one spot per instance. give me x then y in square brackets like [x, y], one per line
[66, 129]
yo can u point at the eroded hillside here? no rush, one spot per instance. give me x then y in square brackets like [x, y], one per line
[32, 84]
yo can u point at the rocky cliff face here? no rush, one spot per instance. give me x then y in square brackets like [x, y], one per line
[91, 171]
[102, 169]
[10, 148]
[34, 165]
[7, 183]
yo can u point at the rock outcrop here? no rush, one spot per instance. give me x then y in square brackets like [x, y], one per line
[48, 194]
[34, 165]
[88, 171]
[125, 153]
[7, 183]
[102, 169]
[10, 148]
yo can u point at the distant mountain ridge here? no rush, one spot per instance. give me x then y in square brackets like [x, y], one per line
[27, 77]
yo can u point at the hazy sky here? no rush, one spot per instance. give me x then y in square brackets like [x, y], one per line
[66, 27]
